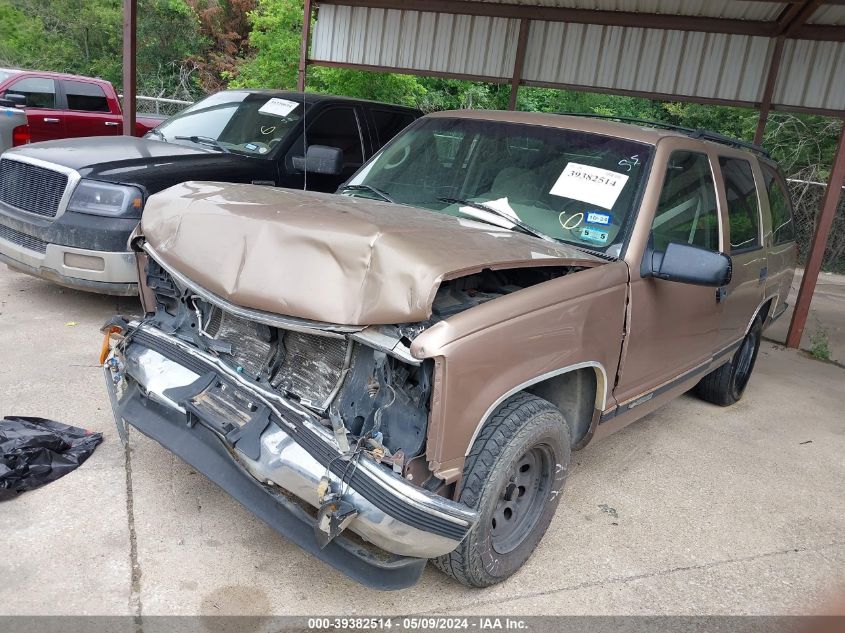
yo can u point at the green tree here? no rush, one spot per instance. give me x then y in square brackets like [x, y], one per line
[85, 37]
[275, 39]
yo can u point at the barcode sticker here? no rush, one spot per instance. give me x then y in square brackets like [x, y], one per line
[589, 184]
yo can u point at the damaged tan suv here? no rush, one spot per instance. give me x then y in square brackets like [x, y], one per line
[399, 373]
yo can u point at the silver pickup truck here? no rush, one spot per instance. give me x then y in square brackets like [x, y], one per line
[14, 129]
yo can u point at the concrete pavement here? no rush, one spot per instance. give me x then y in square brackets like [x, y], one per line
[695, 509]
[826, 320]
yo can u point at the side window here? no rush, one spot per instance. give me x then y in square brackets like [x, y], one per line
[338, 127]
[780, 204]
[390, 123]
[85, 96]
[743, 210]
[39, 91]
[687, 211]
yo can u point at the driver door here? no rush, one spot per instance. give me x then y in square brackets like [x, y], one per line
[673, 327]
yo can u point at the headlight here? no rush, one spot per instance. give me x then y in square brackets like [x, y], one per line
[101, 198]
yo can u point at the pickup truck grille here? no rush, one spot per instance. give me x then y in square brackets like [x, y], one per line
[31, 188]
[22, 239]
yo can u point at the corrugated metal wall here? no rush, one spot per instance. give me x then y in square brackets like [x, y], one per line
[828, 14]
[812, 75]
[710, 65]
[461, 44]
[694, 64]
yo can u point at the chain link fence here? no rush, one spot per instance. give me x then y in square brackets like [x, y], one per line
[159, 106]
[807, 196]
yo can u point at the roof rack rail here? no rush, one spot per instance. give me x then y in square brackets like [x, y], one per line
[696, 133]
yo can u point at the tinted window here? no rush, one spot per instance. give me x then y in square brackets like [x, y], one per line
[39, 92]
[338, 127]
[783, 227]
[85, 96]
[687, 212]
[390, 123]
[743, 210]
[253, 124]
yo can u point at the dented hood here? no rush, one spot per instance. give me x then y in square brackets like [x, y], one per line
[337, 259]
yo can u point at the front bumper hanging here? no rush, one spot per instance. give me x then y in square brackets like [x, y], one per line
[273, 459]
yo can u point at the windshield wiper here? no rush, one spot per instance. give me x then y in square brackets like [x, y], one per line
[381, 194]
[526, 228]
[204, 140]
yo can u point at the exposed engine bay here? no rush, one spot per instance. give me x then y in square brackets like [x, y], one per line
[365, 385]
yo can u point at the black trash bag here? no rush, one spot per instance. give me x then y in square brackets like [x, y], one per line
[35, 451]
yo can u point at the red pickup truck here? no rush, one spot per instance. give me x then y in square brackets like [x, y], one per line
[66, 106]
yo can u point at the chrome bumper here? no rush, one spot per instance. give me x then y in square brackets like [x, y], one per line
[393, 514]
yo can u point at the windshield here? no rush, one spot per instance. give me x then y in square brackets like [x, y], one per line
[566, 185]
[5, 74]
[240, 122]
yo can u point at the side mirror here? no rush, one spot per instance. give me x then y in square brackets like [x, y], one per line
[320, 159]
[14, 99]
[689, 265]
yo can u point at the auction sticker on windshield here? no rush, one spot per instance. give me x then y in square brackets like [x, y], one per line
[278, 107]
[589, 184]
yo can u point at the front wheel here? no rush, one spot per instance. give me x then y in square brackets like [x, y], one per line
[514, 477]
[724, 386]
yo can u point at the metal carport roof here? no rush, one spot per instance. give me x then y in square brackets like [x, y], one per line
[716, 52]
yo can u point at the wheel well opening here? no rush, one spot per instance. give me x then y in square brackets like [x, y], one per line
[574, 393]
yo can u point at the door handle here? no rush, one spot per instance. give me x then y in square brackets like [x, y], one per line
[764, 273]
[111, 123]
[48, 119]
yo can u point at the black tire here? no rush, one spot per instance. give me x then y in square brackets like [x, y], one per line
[724, 386]
[525, 432]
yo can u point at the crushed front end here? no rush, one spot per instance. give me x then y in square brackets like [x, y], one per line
[317, 429]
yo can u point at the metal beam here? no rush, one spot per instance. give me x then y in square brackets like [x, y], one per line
[303, 46]
[796, 16]
[814, 260]
[408, 71]
[768, 90]
[519, 61]
[576, 16]
[130, 30]
[821, 32]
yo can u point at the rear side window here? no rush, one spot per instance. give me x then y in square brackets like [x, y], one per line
[390, 123]
[780, 204]
[743, 208]
[39, 91]
[84, 96]
[687, 212]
